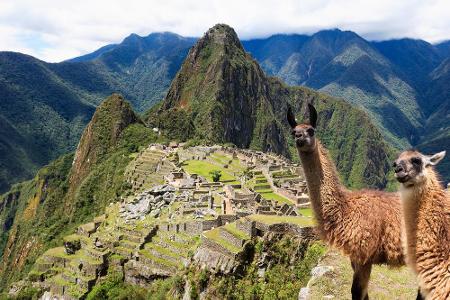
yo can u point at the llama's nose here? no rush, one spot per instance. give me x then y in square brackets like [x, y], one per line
[298, 135]
[398, 168]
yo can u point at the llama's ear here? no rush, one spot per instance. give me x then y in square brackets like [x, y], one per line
[436, 158]
[312, 115]
[291, 117]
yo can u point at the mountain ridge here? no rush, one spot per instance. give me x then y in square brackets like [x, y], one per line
[401, 109]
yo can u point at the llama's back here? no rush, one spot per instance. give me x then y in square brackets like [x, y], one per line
[380, 216]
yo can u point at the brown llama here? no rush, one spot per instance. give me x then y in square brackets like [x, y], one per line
[365, 225]
[426, 215]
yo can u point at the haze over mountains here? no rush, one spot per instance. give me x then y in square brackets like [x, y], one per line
[402, 84]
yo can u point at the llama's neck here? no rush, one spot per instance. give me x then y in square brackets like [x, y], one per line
[325, 191]
[418, 204]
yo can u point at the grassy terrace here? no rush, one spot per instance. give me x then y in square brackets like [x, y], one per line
[214, 234]
[159, 260]
[274, 196]
[267, 193]
[82, 255]
[306, 212]
[57, 252]
[231, 228]
[223, 159]
[159, 238]
[76, 237]
[203, 168]
[270, 219]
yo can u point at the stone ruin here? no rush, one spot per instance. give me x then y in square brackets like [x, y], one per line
[220, 214]
[148, 202]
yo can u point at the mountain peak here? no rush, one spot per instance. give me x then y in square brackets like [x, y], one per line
[222, 34]
[111, 117]
[132, 38]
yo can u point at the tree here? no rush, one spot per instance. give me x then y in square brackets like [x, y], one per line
[215, 174]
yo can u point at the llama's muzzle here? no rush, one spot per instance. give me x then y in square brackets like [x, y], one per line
[401, 176]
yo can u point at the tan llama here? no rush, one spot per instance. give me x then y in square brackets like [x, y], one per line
[426, 214]
[365, 225]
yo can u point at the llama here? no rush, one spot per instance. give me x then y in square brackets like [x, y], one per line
[365, 225]
[426, 215]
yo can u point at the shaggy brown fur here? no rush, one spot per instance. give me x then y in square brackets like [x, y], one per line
[365, 224]
[426, 211]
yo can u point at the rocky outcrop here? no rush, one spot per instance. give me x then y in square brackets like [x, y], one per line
[229, 105]
[150, 202]
[111, 117]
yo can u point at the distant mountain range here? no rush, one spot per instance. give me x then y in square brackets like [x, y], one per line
[44, 107]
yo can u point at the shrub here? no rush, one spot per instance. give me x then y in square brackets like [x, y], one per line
[216, 174]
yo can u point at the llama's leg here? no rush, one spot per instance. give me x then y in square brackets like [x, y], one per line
[361, 275]
[419, 296]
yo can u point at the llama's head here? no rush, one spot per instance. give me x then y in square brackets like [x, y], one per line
[304, 134]
[411, 166]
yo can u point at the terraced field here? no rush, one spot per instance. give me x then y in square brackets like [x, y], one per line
[148, 169]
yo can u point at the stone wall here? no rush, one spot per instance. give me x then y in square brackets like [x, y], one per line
[246, 226]
[229, 237]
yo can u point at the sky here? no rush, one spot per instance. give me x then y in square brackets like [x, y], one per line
[55, 30]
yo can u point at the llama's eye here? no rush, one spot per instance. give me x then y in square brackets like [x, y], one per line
[310, 131]
[416, 161]
[394, 164]
[293, 132]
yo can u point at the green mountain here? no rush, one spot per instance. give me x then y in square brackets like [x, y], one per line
[36, 214]
[221, 95]
[41, 116]
[44, 107]
[413, 59]
[437, 134]
[399, 83]
[344, 65]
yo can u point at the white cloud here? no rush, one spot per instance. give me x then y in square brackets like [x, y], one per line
[55, 30]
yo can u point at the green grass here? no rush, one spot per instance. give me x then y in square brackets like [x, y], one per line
[307, 212]
[57, 252]
[271, 219]
[276, 197]
[163, 250]
[385, 283]
[166, 240]
[220, 158]
[203, 168]
[75, 238]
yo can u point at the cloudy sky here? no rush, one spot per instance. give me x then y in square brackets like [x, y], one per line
[54, 30]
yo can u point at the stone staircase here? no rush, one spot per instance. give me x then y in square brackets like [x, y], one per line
[261, 183]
